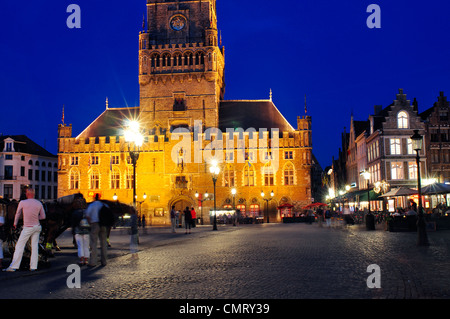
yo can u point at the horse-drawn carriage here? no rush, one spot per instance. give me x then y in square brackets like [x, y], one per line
[58, 219]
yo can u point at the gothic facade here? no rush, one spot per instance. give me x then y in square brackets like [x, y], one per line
[186, 123]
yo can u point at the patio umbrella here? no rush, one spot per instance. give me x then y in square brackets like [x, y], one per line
[435, 189]
[402, 191]
[314, 205]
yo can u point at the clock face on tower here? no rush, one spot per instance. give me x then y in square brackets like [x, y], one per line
[177, 22]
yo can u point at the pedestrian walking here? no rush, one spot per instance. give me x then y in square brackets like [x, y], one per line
[193, 216]
[328, 217]
[177, 219]
[187, 219]
[173, 218]
[98, 232]
[143, 222]
[81, 230]
[32, 211]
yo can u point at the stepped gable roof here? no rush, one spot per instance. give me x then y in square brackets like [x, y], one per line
[110, 122]
[23, 144]
[252, 114]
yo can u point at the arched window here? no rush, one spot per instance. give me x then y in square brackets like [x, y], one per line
[94, 179]
[177, 59]
[288, 173]
[115, 178]
[188, 59]
[74, 179]
[402, 120]
[155, 60]
[254, 210]
[166, 59]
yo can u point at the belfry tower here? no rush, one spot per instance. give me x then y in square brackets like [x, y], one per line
[181, 64]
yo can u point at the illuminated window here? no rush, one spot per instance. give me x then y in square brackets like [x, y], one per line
[402, 120]
[229, 176]
[397, 170]
[395, 146]
[115, 178]
[268, 176]
[289, 174]
[249, 176]
[412, 170]
[94, 179]
[74, 179]
[254, 210]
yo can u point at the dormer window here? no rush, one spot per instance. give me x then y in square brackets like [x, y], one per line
[402, 120]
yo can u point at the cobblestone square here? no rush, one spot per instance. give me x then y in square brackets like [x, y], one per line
[269, 261]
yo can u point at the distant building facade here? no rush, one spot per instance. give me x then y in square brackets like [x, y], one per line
[182, 114]
[437, 122]
[25, 163]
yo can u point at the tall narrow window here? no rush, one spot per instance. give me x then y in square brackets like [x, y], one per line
[412, 170]
[249, 175]
[268, 175]
[74, 179]
[397, 170]
[94, 179]
[229, 176]
[402, 120]
[395, 146]
[115, 178]
[289, 174]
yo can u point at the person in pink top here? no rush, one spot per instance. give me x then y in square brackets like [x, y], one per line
[32, 211]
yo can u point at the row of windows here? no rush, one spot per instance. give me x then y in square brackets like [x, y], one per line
[229, 177]
[41, 192]
[229, 156]
[398, 170]
[30, 162]
[396, 146]
[37, 176]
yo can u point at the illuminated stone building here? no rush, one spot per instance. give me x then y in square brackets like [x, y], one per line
[182, 114]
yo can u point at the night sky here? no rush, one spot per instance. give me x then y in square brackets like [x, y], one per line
[323, 49]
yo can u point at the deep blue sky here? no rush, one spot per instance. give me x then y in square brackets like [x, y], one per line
[323, 49]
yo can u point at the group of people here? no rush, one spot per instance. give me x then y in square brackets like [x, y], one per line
[190, 217]
[86, 229]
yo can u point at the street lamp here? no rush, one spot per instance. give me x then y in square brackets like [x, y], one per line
[267, 202]
[134, 136]
[214, 170]
[115, 197]
[417, 144]
[233, 192]
[205, 197]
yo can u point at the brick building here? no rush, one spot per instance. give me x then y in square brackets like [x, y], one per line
[437, 138]
[182, 114]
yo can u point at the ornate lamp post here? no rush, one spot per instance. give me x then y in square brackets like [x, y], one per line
[134, 136]
[422, 238]
[267, 202]
[214, 170]
[233, 192]
[205, 197]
